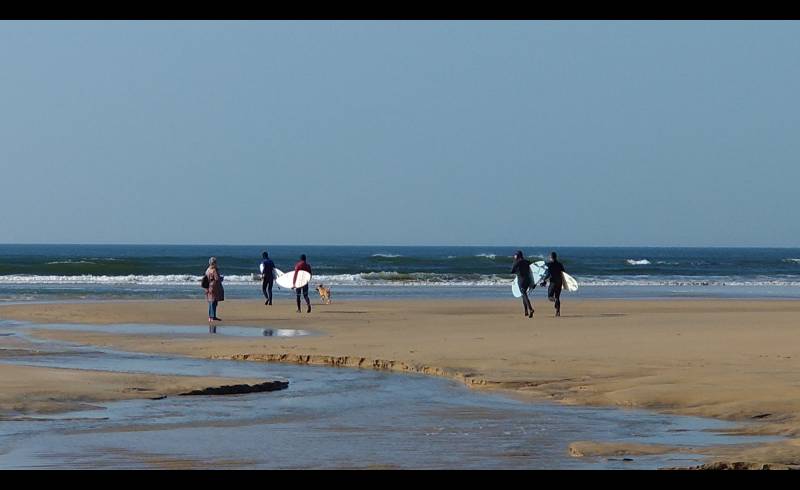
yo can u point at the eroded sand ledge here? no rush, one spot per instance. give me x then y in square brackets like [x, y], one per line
[30, 389]
[735, 360]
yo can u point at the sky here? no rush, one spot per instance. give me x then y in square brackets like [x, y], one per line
[574, 133]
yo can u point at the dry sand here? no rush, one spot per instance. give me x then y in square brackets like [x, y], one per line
[734, 360]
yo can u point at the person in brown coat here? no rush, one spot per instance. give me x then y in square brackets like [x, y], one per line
[215, 292]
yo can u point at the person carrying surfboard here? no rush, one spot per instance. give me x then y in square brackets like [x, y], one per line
[554, 273]
[302, 265]
[267, 277]
[522, 268]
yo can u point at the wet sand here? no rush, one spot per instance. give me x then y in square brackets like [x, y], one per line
[733, 360]
[33, 389]
[29, 389]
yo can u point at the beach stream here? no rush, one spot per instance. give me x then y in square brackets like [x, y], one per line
[327, 418]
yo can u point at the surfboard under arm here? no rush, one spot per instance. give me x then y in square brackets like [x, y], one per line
[285, 280]
[570, 284]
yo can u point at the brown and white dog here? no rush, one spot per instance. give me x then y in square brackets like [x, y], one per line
[324, 293]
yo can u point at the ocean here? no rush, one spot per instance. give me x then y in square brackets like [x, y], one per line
[97, 272]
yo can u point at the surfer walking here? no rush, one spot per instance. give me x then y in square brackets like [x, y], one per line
[522, 268]
[554, 273]
[267, 269]
[302, 265]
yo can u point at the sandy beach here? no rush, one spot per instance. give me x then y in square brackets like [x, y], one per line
[37, 390]
[30, 389]
[727, 359]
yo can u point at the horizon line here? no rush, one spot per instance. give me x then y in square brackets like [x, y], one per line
[152, 244]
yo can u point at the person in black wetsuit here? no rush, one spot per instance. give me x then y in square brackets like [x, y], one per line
[267, 277]
[553, 273]
[522, 268]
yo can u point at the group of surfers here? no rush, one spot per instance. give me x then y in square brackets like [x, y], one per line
[215, 292]
[212, 282]
[553, 272]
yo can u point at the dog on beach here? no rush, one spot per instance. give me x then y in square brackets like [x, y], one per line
[324, 293]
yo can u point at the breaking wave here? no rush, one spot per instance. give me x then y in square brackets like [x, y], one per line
[71, 262]
[395, 278]
[638, 262]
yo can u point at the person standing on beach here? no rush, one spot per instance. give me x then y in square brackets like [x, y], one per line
[214, 292]
[302, 265]
[267, 268]
[554, 274]
[522, 268]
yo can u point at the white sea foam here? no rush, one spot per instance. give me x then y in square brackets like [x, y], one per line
[688, 281]
[638, 262]
[71, 262]
[387, 256]
[392, 279]
[399, 279]
[156, 280]
[794, 261]
[487, 256]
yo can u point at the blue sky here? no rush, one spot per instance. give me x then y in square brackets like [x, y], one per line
[484, 133]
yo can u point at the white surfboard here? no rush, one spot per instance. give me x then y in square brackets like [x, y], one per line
[275, 271]
[285, 280]
[537, 270]
[570, 284]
